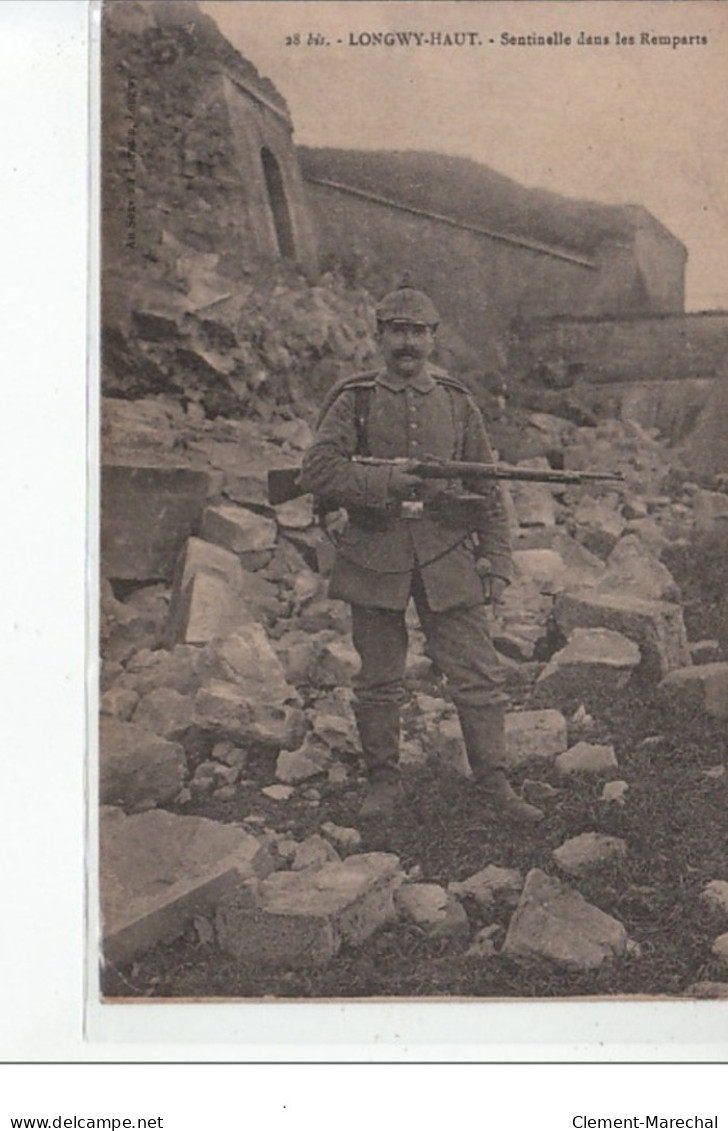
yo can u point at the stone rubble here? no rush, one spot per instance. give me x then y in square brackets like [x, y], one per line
[702, 687]
[344, 839]
[297, 919]
[436, 911]
[715, 896]
[490, 885]
[308, 761]
[615, 792]
[222, 654]
[656, 627]
[580, 854]
[313, 852]
[159, 870]
[485, 942]
[587, 758]
[554, 922]
[719, 950]
[594, 665]
[137, 769]
[534, 735]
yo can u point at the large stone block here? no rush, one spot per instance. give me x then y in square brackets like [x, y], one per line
[553, 922]
[213, 595]
[310, 760]
[534, 734]
[165, 712]
[633, 568]
[207, 609]
[247, 719]
[702, 687]
[598, 523]
[595, 665]
[157, 870]
[657, 627]
[248, 659]
[533, 503]
[240, 530]
[147, 515]
[582, 567]
[199, 556]
[545, 567]
[299, 919]
[137, 769]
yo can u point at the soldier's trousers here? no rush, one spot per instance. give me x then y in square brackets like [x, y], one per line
[457, 641]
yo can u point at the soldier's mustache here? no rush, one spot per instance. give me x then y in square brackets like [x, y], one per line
[407, 353]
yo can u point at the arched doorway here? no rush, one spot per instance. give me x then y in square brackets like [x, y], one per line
[278, 204]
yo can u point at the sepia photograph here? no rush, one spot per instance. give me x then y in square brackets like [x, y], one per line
[413, 553]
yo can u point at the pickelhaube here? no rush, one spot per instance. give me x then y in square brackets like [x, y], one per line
[408, 305]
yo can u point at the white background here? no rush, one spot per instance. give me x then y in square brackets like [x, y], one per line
[43, 574]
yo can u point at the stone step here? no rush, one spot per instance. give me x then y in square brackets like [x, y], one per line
[300, 919]
[158, 870]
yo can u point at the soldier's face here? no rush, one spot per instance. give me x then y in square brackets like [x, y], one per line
[406, 346]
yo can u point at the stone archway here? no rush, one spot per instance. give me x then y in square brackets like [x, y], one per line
[278, 204]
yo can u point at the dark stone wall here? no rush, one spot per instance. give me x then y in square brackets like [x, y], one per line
[661, 263]
[661, 371]
[661, 348]
[184, 123]
[482, 285]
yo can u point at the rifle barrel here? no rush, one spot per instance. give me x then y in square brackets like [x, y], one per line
[454, 469]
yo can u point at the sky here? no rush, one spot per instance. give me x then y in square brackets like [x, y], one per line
[617, 123]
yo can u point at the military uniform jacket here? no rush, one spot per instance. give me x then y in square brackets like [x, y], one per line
[431, 415]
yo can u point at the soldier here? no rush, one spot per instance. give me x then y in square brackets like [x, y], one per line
[408, 538]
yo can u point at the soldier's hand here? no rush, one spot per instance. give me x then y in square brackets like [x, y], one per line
[402, 485]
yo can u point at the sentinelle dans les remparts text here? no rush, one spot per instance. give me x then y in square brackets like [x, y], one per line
[618, 39]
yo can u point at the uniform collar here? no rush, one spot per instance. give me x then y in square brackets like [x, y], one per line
[423, 383]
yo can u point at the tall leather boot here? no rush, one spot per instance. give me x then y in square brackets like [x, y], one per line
[378, 725]
[484, 735]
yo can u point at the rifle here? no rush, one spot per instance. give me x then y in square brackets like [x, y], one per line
[284, 483]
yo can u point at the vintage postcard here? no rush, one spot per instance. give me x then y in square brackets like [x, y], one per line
[414, 501]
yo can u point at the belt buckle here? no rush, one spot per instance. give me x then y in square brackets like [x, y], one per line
[412, 509]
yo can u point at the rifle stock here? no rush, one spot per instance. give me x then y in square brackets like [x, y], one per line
[284, 484]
